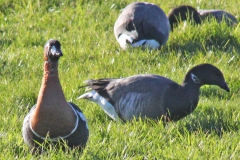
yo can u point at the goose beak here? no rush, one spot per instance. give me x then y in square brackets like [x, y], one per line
[224, 86]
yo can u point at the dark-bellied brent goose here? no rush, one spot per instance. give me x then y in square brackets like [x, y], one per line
[152, 96]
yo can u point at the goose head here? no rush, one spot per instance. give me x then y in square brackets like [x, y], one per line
[207, 74]
[182, 13]
[52, 50]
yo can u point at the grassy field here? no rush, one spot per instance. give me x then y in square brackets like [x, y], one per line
[85, 29]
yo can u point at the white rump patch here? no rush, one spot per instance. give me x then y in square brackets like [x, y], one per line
[102, 102]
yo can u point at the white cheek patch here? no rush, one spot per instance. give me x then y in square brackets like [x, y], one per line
[102, 102]
[54, 51]
[195, 78]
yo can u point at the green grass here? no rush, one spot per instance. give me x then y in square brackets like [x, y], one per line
[85, 29]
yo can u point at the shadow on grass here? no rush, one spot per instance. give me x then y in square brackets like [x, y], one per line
[5, 42]
[19, 151]
[26, 99]
[216, 122]
[213, 42]
[215, 92]
[47, 149]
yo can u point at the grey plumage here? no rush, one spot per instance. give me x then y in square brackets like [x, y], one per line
[219, 15]
[141, 20]
[187, 12]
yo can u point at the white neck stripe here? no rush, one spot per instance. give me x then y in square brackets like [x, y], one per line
[60, 137]
[195, 78]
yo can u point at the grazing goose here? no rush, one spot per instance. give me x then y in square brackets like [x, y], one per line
[142, 24]
[219, 15]
[182, 13]
[53, 119]
[153, 96]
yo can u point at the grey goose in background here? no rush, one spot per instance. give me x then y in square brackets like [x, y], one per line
[142, 24]
[53, 119]
[187, 12]
[153, 96]
[219, 15]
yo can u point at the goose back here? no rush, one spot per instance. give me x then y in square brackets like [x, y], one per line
[142, 20]
[219, 15]
[131, 95]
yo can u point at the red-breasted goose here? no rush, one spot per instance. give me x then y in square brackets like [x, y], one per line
[153, 96]
[53, 118]
[182, 13]
[219, 15]
[142, 24]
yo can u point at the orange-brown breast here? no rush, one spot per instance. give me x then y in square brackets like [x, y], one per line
[52, 115]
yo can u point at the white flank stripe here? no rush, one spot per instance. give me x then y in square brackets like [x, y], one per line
[131, 105]
[152, 44]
